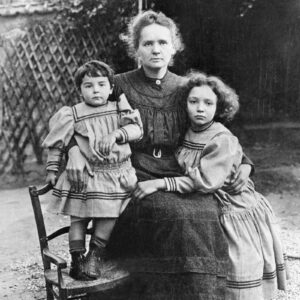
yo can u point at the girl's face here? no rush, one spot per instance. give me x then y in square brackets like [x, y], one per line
[95, 90]
[201, 105]
[155, 47]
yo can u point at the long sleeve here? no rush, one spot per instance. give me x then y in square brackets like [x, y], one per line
[130, 121]
[215, 166]
[61, 129]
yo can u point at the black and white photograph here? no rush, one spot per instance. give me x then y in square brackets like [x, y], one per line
[150, 149]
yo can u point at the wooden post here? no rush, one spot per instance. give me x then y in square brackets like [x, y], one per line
[140, 6]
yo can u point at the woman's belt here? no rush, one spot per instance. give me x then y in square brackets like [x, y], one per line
[158, 151]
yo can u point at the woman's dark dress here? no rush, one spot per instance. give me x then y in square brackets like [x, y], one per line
[173, 243]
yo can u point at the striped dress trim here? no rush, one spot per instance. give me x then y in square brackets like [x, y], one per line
[171, 185]
[90, 195]
[254, 283]
[269, 275]
[244, 284]
[280, 267]
[192, 145]
[93, 115]
[52, 165]
[125, 136]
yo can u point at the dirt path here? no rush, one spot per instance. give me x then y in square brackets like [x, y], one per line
[21, 273]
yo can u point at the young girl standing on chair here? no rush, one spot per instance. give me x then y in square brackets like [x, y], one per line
[210, 155]
[102, 126]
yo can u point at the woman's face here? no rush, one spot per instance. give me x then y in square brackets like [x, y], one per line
[155, 47]
[201, 105]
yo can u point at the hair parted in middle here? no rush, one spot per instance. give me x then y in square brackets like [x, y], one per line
[227, 99]
[94, 68]
[147, 18]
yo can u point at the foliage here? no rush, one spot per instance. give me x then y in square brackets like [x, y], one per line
[110, 17]
[252, 44]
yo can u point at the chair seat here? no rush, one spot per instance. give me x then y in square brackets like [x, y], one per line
[112, 276]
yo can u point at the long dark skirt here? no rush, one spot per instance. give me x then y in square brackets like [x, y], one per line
[174, 245]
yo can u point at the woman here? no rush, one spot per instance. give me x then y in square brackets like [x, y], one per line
[173, 242]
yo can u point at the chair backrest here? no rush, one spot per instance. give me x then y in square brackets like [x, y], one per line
[39, 219]
[35, 194]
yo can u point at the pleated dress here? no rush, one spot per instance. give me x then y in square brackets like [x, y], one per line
[107, 192]
[257, 266]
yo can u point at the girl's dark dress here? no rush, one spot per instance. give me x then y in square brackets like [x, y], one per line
[172, 242]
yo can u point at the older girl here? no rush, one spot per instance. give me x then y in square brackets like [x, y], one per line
[173, 242]
[210, 155]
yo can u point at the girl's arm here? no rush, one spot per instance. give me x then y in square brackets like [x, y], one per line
[76, 166]
[131, 127]
[61, 129]
[130, 120]
[247, 161]
[245, 170]
[216, 165]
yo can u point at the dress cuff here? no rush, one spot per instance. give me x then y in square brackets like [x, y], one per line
[170, 184]
[247, 161]
[54, 159]
[124, 135]
[52, 166]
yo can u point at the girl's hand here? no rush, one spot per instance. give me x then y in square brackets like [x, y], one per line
[107, 142]
[239, 180]
[51, 177]
[78, 170]
[148, 187]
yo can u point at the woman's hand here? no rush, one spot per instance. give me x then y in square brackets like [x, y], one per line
[106, 144]
[239, 180]
[78, 170]
[51, 177]
[148, 187]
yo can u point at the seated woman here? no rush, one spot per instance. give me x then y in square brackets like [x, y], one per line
[173, 242]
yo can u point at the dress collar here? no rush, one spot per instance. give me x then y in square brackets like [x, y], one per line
[201, 128]
[156, 81]
[138, 81]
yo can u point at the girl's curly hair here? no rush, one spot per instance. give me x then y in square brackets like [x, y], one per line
[150, 17]
[227, 99]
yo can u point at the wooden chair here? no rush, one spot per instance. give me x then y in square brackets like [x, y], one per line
[59, 284]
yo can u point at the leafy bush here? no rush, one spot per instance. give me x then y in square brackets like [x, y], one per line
[110, 17]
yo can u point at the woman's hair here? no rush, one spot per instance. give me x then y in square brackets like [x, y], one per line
[227, 99]
[147, 18]
[94, 68]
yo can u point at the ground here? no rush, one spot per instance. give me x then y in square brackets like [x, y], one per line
[276, 154]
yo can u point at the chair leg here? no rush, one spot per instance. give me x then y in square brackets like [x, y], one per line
[49, 291]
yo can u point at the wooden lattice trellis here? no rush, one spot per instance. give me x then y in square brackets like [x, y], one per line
[36, 80]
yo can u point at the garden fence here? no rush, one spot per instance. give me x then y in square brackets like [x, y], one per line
[37, 79]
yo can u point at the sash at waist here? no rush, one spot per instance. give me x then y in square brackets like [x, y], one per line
[111, 166]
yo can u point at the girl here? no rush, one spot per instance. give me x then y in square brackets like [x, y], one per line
[211, 155]
[102, 126]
